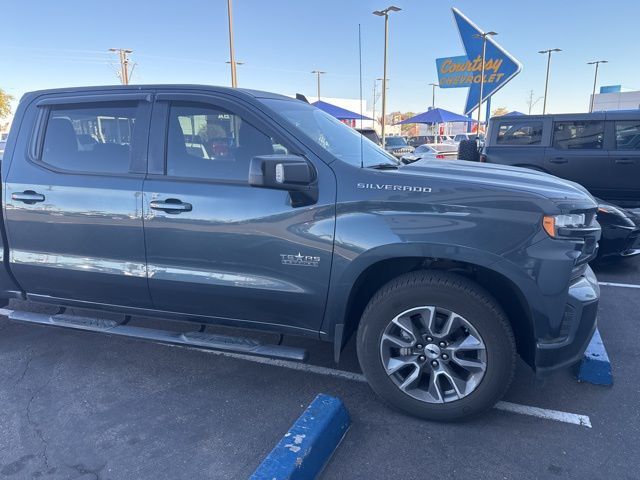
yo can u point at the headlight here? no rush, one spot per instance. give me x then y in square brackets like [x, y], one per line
[552, 223]
[611, 209]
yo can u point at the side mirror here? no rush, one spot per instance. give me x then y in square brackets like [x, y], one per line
[292, 173]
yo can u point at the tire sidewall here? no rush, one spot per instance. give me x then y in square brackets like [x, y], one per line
[485, 317]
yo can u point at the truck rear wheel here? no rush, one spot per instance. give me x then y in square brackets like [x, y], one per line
[436, 345]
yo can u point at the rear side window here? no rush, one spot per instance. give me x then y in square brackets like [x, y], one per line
[628, 135]
[587, 135]
[520, 133]
[94, 138]
[209, 142]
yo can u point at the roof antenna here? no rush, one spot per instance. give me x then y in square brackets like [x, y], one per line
[360, 61]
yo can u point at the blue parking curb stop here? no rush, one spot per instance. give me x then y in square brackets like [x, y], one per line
[595, 366]
[307, 446]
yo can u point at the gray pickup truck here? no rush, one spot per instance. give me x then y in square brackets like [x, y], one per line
[254, 210]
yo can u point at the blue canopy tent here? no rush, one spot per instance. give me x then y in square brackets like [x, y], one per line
[513, 114]
[338, 112]
[437, 115]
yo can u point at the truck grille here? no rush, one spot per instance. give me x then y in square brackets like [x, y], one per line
[586, 241]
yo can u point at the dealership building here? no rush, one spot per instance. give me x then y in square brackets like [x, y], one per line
[614, 97]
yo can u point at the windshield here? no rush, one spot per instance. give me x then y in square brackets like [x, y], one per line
[395, 142]
[335, 137]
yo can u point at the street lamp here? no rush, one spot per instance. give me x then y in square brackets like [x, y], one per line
[546, 82]
[483, 36]
[234, 80]
[595, 80]
[433, 94]
[318, 73]
[385, 13]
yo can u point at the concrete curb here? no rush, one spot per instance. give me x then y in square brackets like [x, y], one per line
[307, 446]
[595, 366]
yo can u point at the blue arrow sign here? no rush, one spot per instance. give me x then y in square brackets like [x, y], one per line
[465, 70]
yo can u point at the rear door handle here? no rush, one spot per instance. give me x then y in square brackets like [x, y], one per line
[625, 161]
[28, 196]
[558, 160]
[171, 205]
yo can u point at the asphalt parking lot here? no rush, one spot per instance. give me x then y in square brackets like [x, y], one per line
[88, 406]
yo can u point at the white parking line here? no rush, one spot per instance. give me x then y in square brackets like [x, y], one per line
[547, 414]
[555, 415]
[623, 285]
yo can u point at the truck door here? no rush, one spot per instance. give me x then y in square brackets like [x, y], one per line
[73, 199]
[218, 247]
[625, 160]
[578, 153]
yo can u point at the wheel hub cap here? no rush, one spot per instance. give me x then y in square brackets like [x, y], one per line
[432, 351]
[448, 368]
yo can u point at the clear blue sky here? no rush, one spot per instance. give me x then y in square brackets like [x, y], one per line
[57, 43]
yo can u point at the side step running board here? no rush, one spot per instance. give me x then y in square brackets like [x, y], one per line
[193, 339]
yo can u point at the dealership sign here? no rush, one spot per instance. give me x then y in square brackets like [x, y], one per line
[466, 70]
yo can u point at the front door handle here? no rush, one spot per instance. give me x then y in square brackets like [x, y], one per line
[558, 160]
[28, 196]
[625, 161]
[171, 205]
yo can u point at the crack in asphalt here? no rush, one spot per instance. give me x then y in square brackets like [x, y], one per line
[35, 425]
[26, 368]
[83, 470]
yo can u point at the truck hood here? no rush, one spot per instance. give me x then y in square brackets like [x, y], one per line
[502, 176]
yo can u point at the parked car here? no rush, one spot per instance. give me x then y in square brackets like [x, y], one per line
[424, 139]
[445, 270]
[435, 151]
[2, 147]
[600, 151]
[371, 134]
[397, 146]
[464, 136]
[620, 231]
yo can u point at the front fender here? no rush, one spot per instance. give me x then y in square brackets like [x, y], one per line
[347, 269]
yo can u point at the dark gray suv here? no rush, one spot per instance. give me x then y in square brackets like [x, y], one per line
[600, 151]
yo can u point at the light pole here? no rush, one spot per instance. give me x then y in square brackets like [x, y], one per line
[483, 36]
[433, 94]
[234, 80]
[318, 73]
[595, 81]
[385, 13]
[236, 73]
[546, 82]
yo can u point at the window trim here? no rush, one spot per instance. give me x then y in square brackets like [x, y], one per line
[615, 122]
[160, 129]
[518, 122]
[138, 153]
[589, 120]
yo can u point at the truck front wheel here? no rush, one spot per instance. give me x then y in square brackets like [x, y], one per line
[436, 345]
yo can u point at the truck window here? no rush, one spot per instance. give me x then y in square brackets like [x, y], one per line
[578, 135]
[92, 138]
[520, 133]
[628, 135]
[209, 142]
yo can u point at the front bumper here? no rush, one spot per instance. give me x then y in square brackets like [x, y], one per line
[619, 241]
[578, 325]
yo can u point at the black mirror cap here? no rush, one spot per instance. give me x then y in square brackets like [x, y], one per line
[292, 173]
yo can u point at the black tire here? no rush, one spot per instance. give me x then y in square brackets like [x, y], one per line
[457, 294]
[468, 150]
